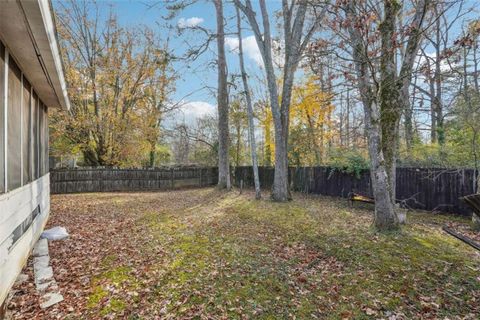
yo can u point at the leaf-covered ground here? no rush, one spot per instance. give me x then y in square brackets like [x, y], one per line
[465, 230]
[205, 254]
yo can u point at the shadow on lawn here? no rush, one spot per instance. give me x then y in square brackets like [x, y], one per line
[230, 255]
[193, 254]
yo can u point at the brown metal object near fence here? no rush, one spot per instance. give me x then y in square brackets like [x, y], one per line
[473, 201]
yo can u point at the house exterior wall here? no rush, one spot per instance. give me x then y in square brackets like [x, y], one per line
[25, 213]
[24, 178]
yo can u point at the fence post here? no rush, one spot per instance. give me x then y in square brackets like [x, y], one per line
[172, 182]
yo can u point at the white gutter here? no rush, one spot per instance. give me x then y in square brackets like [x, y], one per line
[52, 39]
[27, 30]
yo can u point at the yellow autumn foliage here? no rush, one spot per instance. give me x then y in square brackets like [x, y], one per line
[118, 81]
[311, 124]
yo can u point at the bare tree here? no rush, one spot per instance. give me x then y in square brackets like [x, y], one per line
[468, 106]
[296, 40]
[181, 145]
[222, 101]
[436, 75]
[383, 99]
[248, 98]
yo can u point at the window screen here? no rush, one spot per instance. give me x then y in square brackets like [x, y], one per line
[2, 120]
[14, 122]
[26, 131]
[35, 137]
[46, 142]
[41, 126]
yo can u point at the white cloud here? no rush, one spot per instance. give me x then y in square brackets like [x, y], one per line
[445, 66]
[250, 48]
[189, 23]
[198, 109]
[190, 111]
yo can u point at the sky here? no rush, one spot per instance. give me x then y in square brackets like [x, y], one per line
[197, 82]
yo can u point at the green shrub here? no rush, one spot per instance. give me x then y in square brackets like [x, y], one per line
[349, 161]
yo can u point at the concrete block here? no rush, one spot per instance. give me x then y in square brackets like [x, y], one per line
[41, 262]
[44, 281]
[41, 248]
[49, 299]
[43, 275]
[50, 285]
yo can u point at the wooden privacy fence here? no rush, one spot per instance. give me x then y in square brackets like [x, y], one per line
[425, 189]
[109, 179]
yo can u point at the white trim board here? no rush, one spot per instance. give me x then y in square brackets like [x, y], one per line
[15, 206]
[5, 117]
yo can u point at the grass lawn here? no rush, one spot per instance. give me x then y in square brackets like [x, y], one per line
[205, 254]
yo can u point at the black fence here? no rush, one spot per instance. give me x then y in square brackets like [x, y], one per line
[426, 189]
[108, 179]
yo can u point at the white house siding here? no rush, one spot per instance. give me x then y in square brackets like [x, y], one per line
[24, 178]
[25, 213]
[31, 78]
[2, 117]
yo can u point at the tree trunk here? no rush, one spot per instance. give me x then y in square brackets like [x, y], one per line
[408, 118]
[267, 147]
[475, 65]
[476, 217]
[281, 190]
[385, 217]
[433, 113]
[294, 21]
[438, 82]
[222, 100]
[389, 94]
[151, 161]
[238, 146]
[340, 123]
[347, 121]
[248, 98]
[90, 158]
[314, 140]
